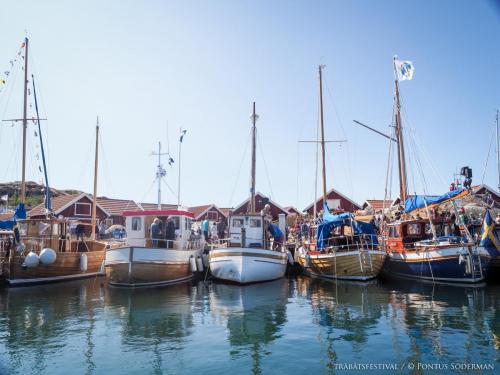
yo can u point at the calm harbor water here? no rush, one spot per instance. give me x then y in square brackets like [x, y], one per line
[289, 326]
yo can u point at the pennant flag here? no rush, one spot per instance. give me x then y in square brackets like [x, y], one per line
[404, 69]
[183, 133]
[4, 198]
[489, 239]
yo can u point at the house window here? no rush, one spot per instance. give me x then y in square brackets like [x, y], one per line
[333, 204]
[83, 209]
[136, 223]
[212, 215]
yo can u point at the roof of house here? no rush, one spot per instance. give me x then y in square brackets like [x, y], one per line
[60, 203]
[226, 210]
[477, 188]
[327, 194]
[377, 204]
[198, 211]
[115, 207]
[292, 210]
[7, 215]
[262, 196]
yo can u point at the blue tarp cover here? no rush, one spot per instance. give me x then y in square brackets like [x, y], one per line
[418, 201]
[19, 214]
[332, 221]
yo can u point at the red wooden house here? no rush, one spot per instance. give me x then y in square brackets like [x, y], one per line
[260, 201]
[336, 202]
[209, 212]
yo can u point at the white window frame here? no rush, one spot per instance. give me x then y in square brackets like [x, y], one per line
[83, 204]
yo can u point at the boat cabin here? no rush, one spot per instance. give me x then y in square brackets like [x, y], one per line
[403, 235]
[246, 231]
[138, 227]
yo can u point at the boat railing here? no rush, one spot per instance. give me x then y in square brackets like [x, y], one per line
[352, 243]
[180, 244]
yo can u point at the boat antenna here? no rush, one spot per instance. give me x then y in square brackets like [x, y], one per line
[181, 138]
[254, 118]
[48, 203]
[160, 172]
[96, 163]
[320, 70]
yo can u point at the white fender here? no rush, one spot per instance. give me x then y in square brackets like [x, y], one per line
[204, 257]
[199, 263]
[83, 262]
[192, 264]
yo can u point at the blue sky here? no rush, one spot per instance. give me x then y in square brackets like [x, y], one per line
[141, 65]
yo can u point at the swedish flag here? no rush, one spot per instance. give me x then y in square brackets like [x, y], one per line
[489, 239]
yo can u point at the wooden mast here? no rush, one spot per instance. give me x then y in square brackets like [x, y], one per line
[498, 157]
[322, 131]
[401, 150]
[251, 206]
[25, 122]
[94, 200]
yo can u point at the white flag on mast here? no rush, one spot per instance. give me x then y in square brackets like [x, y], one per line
[404, 69]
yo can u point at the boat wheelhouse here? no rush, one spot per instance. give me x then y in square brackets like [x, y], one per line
[414, 252]
[146, 260]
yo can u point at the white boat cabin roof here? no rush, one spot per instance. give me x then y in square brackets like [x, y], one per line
[159, 213]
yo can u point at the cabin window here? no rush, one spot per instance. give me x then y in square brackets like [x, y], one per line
[187, 224]
[413, 229]
[176, 220]
[136, 223]
[255, 223]
[83, 209]
[44, 229]
[393, 232]
[237, 223]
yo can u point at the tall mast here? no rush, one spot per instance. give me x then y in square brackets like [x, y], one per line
[96, 164]
[25, 122]
[158, 175]
[251, 206]
[498, 156]
[322, 131]
[400, 142]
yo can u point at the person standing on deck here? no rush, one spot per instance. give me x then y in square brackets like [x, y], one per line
[155, 232]
[277, 234]
[213, 232]
[170, 233]
[221, 228]
[204, 227]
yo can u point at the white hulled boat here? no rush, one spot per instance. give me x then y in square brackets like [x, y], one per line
[248, 257]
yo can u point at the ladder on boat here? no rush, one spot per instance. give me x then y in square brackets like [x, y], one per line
[476, 266]
[365, 260]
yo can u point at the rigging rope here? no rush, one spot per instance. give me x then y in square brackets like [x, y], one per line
[488, 156]
[265, 166]
[239, 170]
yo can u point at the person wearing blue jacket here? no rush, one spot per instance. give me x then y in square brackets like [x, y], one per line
[277, 234]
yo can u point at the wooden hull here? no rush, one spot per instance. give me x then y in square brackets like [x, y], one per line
[68, 265]
[351, 265]
[140, 267]
[247, 265]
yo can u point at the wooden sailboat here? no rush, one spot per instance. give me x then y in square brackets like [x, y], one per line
[414, 250]
[173, 257]
[343, 250]
[247, 258]
[42, 250]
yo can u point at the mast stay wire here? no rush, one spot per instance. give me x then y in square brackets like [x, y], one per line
[349, 167]
[487, 157]
[239, 169]
[265, 166]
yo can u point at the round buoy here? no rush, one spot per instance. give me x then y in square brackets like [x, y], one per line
[31, 260]
[199, 263]
[47, 256]
[192, 264]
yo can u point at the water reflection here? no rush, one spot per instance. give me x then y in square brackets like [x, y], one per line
[38, 323]
[286, 326]
[254, 315]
